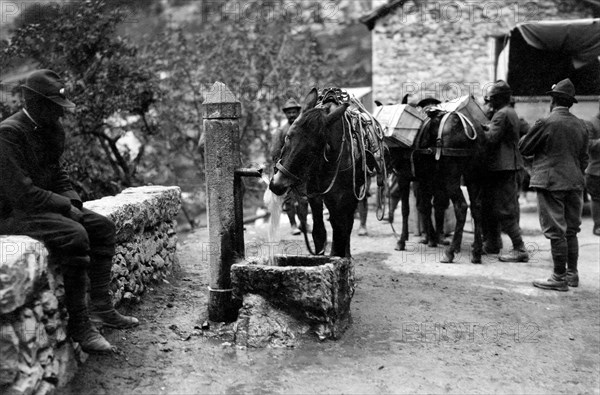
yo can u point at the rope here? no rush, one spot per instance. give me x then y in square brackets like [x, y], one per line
[380, 211]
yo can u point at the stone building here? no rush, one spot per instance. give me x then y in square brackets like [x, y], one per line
[447, 49]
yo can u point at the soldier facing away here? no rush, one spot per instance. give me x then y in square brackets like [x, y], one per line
[559, 146]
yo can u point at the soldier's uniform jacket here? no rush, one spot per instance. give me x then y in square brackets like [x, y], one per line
[503, 140]
[594, 147]
[559, 146]
[31, 176]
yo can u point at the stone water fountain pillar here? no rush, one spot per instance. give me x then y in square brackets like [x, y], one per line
[221, 111]
[313, 291]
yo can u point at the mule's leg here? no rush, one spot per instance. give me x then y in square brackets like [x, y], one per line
[395, 198]
[349, 223]
[424, 196]
[341, 217]
[420, 226]
[475, 198]
[337, 220]
[405, 194]
[460, 211]
[440, 205]
[363, 212]
[319, 233]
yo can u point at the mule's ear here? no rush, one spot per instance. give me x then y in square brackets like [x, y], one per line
[336, 114]
[310, 100]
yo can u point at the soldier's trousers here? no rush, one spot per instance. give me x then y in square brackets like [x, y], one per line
[83, 249]
[560, 219]
[500, 208]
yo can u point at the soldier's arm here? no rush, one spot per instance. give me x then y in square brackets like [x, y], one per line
[584, 156]
[496, 128]
[18, 185]
[65, 188]
[531, 143]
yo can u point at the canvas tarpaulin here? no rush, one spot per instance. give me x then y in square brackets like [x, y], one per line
[545, 52]
[580, 38]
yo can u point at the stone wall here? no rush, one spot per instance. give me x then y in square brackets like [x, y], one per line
[443, 48]
[36, 355]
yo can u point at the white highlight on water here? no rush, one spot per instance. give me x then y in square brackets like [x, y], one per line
[273, 203]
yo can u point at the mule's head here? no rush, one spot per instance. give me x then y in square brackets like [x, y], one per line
[305, 142]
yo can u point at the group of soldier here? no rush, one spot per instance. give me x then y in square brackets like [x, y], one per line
[560, 153]
[556, 150]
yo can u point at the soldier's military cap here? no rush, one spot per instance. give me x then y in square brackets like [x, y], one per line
[291, 104]
[564, 88]
[49, 85]
[499, 87]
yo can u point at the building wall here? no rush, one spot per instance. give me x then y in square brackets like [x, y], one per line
[442, 48]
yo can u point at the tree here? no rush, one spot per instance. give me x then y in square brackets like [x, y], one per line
[103, 77]
[263, 53]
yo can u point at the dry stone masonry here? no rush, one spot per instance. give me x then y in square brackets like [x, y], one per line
[36, 355]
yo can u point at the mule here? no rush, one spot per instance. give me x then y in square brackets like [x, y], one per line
[400, 163]
[449, 150]
[318, 155]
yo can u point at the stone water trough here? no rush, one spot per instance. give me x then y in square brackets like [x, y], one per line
[291, 296]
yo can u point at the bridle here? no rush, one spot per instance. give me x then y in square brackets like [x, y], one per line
[279, 166]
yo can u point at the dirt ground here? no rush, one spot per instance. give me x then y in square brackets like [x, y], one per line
[418, 326]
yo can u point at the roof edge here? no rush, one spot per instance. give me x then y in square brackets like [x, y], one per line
[377, 13]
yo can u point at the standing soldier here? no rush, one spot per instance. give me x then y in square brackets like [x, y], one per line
[501, 193]
[37, 200]
[293, 203]
[592, 173]
[559, 144]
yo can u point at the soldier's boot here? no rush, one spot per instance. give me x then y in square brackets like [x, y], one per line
[519, 252]
[80, 327]
[102, 311]
[572, 260]
[558, 280]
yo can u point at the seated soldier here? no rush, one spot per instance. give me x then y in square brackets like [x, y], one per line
[37, 200]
